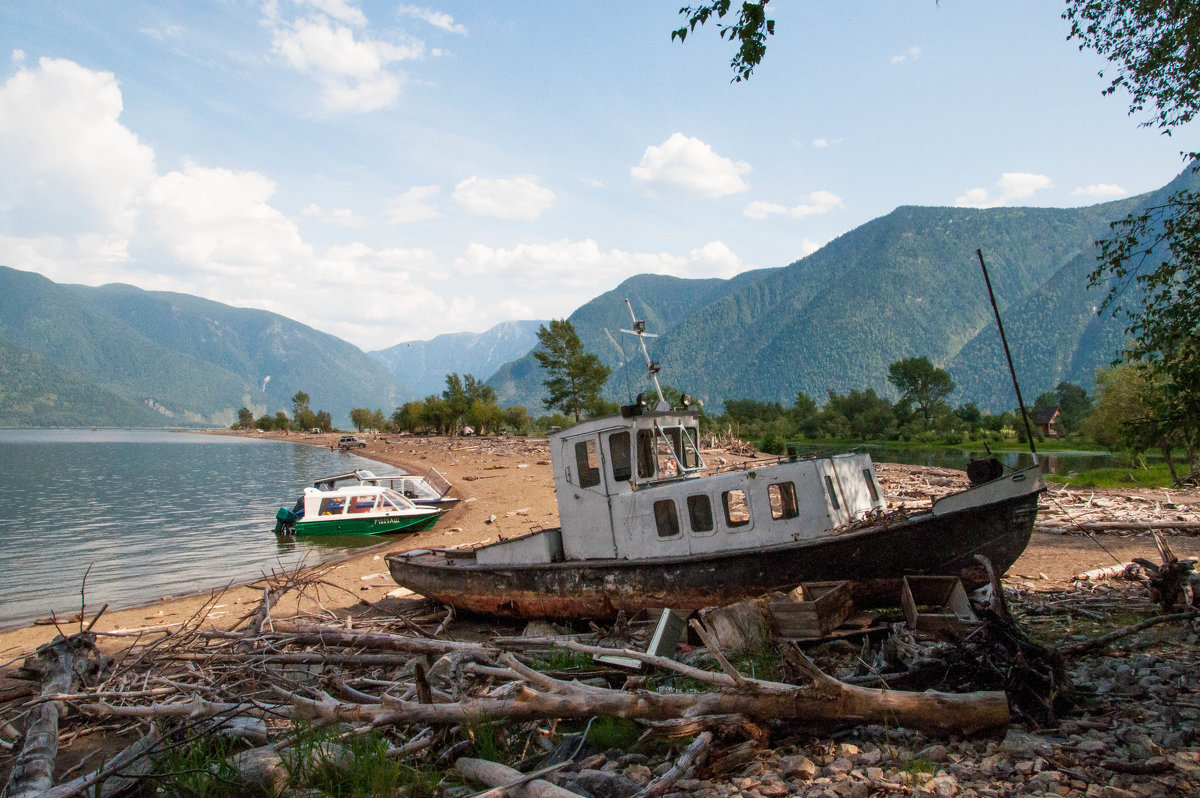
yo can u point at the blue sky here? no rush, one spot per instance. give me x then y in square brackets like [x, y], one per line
[387, 171]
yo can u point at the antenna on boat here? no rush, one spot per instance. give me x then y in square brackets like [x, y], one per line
[1007, 354]
[639, 329]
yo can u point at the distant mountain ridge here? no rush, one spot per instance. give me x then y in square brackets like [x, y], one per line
[191, 361]
[904, 285]
[423, 365]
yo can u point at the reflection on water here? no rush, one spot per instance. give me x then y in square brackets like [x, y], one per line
[152, 512]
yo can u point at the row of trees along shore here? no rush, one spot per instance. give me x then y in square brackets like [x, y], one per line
[1122, 415]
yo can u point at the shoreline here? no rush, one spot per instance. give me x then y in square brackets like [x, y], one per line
[507, 490]
[362, 574]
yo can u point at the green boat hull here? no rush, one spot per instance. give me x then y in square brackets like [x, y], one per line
[349, 525]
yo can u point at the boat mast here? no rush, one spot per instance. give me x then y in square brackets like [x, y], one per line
[1007, 354]
[652, 366]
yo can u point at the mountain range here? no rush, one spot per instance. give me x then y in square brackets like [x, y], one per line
[74, 355]
[904, 285]
[423, 365]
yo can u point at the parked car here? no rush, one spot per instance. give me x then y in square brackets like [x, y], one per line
[351, 442]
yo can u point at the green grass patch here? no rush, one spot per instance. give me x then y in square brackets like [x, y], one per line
[197, 768]
[358, 768]
[920, 766]
[1151, 476]
[614, 733]
[561, 659]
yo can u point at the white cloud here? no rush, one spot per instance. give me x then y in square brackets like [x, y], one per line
[911, 54]
[1011, 187]
[411, 205]
[341, 217]
[818, 202]
[65, 155]
[808, 246]
[582, 264]
[342, 10]
[220, 221]
[437, 19]
[163, 32]
[1099, 191]
[761, 210]
[353, 69]
[514, 198]
[687, 166]
[825, 143]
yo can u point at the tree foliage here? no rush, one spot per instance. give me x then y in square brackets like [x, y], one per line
[1152, 45]
[921, 383]
[574, 377]
[1151, 264]
[750, 30]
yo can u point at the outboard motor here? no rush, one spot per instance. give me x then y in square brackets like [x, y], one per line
[981, 471]
[285, 522]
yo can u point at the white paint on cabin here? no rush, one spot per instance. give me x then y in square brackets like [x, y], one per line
[619, 496]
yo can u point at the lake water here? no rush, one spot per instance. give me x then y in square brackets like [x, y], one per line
[152, 512]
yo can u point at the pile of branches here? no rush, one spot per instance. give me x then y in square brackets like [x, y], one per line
[402, 676]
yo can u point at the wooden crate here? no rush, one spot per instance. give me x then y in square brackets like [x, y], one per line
[812, 610]
[934, 604]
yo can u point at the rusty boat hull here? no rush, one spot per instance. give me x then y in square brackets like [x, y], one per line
[875, 558]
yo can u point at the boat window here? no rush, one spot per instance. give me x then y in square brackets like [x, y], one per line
[645, 453]
[700, 513]
[737, 508]
[691, 450]
[832, 493]
[587, 464]
[332, 506]
[783, 500]
[362, 504]
[666, 518]
[668, 466]
[618, 451]
[871, 485]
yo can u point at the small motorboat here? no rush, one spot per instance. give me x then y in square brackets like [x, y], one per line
[431, 490]
[354, 510]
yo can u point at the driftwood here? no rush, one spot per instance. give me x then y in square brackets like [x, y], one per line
[689, 762]
[60, 665]
[508, 782]
[1125, 631]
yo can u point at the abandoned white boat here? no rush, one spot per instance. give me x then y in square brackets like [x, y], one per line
[644, 523]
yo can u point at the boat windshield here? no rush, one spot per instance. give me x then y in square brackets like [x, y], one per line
[392, 500]
[677, 450]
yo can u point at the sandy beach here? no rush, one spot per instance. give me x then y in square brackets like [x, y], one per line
[507, 490]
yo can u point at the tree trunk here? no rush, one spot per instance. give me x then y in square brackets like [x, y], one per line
[33, 773]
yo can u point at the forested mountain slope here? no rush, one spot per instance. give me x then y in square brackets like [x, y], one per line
[193, 361]
[905, 285]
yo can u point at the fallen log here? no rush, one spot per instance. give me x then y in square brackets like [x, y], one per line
[1124, 631]
[118, 774]
[508, 782]
[688, 763]
[825, 700]
[1111, 526]
[58, 662]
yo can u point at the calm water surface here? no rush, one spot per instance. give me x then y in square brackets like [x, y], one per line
[152, 512]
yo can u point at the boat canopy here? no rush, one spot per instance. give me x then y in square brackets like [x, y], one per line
[354, 499]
